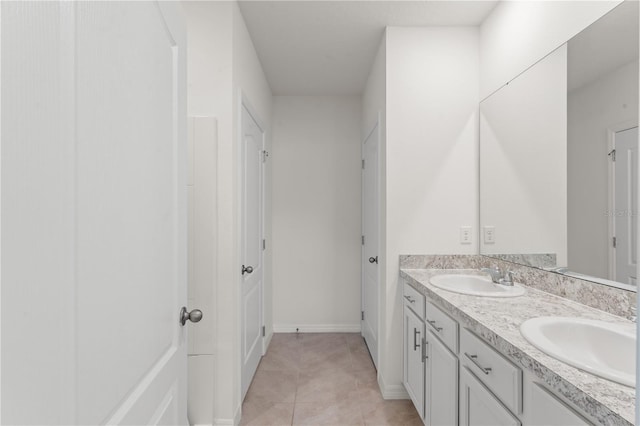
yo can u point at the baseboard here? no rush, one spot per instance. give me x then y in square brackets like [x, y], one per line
[316, 328]
[229, 422]
[392, 391]
[266, 342]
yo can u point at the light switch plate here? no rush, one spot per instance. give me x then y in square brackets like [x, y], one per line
[489, 234]
[465, 235]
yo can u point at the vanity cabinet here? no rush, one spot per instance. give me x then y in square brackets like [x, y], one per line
[413, 347]
[496, 372]
[441, 383]
[478, 405]
[547, 410]
[430, 365]
[456, 378]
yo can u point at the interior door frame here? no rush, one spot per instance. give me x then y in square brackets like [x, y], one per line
[381, 257]
[243, 102]
[611, 186]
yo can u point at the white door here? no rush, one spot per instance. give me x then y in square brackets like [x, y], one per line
[252, 156]
[370, 249]
[626, 204]
[93, 227]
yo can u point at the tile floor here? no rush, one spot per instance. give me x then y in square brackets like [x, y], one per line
[320, 379]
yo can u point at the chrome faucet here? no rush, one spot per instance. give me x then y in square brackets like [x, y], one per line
[507, 278]
[495, 273]
[498, 277]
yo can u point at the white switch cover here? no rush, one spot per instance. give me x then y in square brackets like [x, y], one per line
[465, 235]
[489, 234]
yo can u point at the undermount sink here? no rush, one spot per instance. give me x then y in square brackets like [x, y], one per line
[598, 347]
[475, 285]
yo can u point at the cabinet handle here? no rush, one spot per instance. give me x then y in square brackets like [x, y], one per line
[473, 358]
[416, 345]
[410, 299]
[424, 349]
[433, 324]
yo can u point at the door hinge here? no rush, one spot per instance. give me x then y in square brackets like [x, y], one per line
[362, 315]
[265, 154]
[264, 331]
[612, 154]
[264, 244]
[614, 242]
[363, 164]
[363, 240]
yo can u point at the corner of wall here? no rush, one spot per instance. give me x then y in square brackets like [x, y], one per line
[396, 391]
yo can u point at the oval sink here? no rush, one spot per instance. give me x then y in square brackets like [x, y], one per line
[475, 285]
[598, 347]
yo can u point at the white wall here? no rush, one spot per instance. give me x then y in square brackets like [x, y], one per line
[222, 64]
[517, 34]
[316, 213]
[594, 109]
[431, 158]
[523, 162]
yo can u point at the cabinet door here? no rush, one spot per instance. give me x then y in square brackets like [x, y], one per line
[442, 384]
[413, 365]
[478, 406]
[548, 410]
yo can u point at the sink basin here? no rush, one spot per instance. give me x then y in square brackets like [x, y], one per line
[601, 348]
[475, 285]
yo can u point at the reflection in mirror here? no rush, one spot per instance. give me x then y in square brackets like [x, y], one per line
[602, 127]
[551, 194]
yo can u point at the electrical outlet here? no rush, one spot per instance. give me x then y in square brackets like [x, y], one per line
[465, 235]
[489, 234]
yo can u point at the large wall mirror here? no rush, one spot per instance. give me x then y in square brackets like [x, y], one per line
[559, 157]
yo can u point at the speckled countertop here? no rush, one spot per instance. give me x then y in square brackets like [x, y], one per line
[498, 322]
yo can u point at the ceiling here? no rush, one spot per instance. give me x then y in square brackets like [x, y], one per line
[327, 47]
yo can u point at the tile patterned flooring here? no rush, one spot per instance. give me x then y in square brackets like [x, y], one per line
[320, 379]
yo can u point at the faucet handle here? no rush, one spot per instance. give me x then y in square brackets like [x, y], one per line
[508, 277]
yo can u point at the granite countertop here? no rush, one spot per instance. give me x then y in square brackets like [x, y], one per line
[498, 322]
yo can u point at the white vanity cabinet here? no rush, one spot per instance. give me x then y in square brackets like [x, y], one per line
[495, 371]
[547, 410]
[441, 383]
[456, 377]
[430, 364]
[413, 374]
[478, 405]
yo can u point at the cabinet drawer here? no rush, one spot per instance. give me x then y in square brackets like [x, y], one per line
[443, 326]
[502, 377]
[414, 300]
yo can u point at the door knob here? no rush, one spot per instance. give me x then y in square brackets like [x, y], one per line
[373, 259]
[247, 269]
[193, 316]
